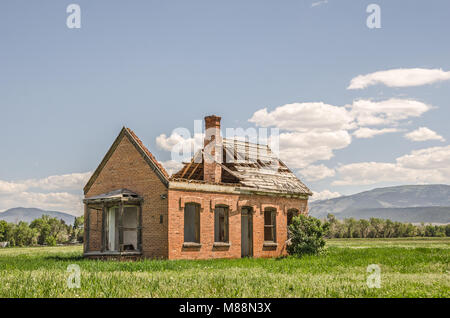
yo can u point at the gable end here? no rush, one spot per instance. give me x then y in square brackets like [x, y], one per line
[148, 157]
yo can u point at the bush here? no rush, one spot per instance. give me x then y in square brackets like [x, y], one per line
[306, 235]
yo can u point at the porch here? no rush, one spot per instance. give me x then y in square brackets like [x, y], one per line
[120, 215]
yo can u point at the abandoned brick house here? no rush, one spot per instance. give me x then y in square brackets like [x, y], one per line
[209, 209]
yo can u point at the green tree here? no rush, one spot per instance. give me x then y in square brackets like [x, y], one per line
[364, 227]
[47, 227]
[24, 235]
[78, 229]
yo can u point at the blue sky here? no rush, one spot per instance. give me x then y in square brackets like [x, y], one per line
[157, 65]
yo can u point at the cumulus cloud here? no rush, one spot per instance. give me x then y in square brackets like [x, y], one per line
[324, 195]
[304, 117]
[169, 142]
[57, 201]
[57, 192]
[300, 149]
[429, 165]
[400, 78]
[11, 187]
[370, 133]
[428, 158]
[317, 172]
[73, 181]
[172, 166]
[423, 134]
[315, 130]
[391, 111]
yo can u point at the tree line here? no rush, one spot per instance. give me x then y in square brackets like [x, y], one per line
[381, 228]
[43, 231]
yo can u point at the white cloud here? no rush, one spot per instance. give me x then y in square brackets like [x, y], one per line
[428, 158]
[314, 130]
[391, 111]
[400, 78]
[176, 139]
[364, 173]
[317, 172]
[324, 195]
[35, 193]
[57, 201]
[318, 3]
[429, 165]
[11, 187]
[304, 117]
[171, 166]
[369, 132]
[423, 134]
[300, 149]
[73, 181]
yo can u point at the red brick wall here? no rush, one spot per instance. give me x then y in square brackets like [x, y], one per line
[95, 230]
[178, 198]
[126, 168]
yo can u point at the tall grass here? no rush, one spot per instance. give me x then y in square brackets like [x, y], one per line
[409, 268]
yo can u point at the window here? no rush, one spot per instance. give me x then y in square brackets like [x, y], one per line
[221, 224]
[270, 216]
[192, 223]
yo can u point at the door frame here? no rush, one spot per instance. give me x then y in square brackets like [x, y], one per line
[249, 213]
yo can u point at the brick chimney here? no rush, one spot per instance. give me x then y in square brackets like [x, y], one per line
[212, 171]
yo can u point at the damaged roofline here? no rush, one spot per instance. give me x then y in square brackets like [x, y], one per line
[231, 189]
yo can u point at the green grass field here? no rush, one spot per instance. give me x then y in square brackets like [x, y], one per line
[417, 267]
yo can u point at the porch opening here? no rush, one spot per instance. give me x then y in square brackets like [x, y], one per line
[120, 214]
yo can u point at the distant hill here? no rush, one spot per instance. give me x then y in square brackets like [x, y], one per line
[29, 214]
[410, 203]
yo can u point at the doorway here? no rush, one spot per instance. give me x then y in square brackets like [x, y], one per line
[246, 232]
[121, 235]
[112, 229]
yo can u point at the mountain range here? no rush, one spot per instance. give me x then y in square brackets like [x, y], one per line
[409, 203]
[29, 214]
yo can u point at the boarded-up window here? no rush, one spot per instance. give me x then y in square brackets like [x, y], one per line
[270, 216]
[221, 224]
[192, 222]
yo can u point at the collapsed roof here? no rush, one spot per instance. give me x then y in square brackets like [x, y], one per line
[248, 165]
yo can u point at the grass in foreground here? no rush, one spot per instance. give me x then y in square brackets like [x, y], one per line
[409, 268]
